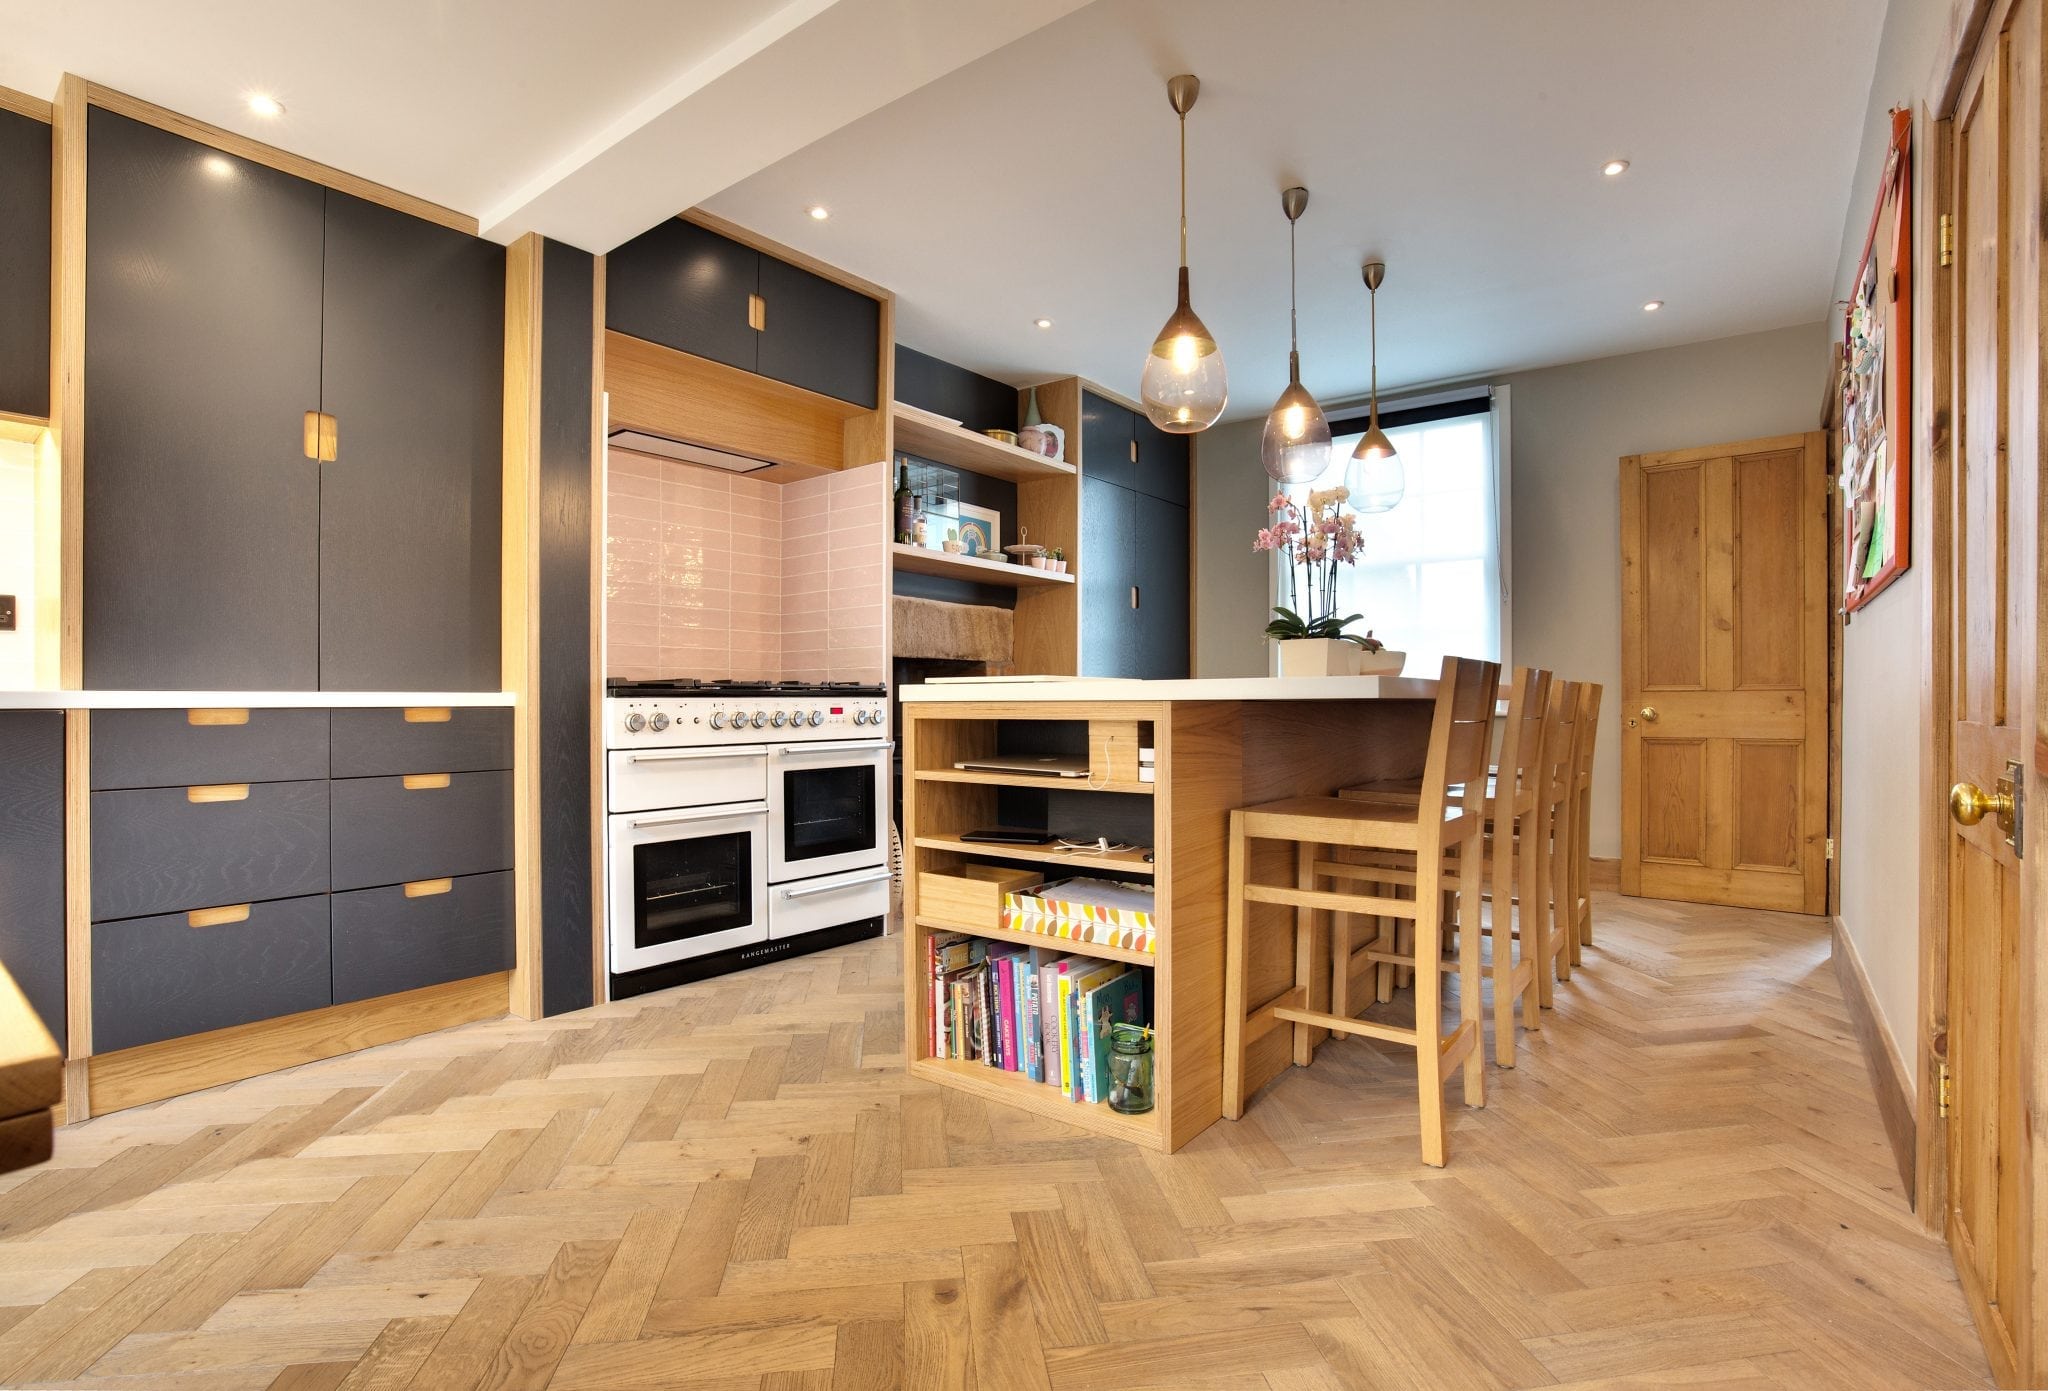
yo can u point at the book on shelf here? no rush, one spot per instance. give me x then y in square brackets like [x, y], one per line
[1119, 1000]
[1031, 1011]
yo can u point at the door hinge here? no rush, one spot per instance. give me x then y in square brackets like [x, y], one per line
[1831, 847]
[1948, 239]
[1941, 1089]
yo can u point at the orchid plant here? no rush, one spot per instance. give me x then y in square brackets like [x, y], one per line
[1316, 537]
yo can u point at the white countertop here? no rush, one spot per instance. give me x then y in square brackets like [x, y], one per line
[243, 700]
[1207, 688]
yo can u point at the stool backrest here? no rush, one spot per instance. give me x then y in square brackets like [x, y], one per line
[1560, 750]
[1521, 740]
[1460, 747]
[1587, 732]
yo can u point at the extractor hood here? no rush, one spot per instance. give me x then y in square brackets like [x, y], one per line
[682, 451]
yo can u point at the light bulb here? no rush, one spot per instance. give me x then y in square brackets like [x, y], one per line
[1295, 446]
[1375, 476]
[1185, 352]
[1184, 387]
[1293, 421]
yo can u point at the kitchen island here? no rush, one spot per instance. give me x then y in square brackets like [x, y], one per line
[1216, 744]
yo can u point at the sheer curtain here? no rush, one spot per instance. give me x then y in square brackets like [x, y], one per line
[1430, 579]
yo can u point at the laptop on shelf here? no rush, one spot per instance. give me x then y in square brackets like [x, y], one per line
[1050, 765]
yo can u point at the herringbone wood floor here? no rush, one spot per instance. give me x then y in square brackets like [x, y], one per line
[733, 1185]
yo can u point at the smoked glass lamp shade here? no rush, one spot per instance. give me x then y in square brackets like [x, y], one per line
[1375, 476]
[1184, 387]
[1295, 447]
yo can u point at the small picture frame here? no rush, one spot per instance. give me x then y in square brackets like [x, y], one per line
[981, 531]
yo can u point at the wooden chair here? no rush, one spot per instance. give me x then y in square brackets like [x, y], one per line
[1588, 733]
[1444, 822]
[1511, 875]
[1553, 916]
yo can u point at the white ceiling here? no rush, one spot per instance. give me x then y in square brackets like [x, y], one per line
[993, 161]
[589, 121]
[1463, 141]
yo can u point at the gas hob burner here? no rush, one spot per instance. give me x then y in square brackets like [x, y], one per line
[687, 686]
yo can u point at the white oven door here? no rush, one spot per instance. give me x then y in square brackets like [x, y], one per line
[810, 905]
[647, 779]
[687, 883]
[827, 808]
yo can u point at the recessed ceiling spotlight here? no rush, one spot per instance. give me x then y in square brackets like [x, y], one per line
[819, 212]
[1652, 306]
[263, 104]
[1043, 323]
[1614, 168]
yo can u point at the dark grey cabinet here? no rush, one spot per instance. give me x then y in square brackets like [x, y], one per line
[163, 977]
[202, 356]
[688, 288]
[184, 748]
[1160, 620]
[172, 849]
[412, 368]
[403, 829]
[818, 334]
[225, 301]
[1134, 583]
[1162, 470]
[386, 743]
[1108, 439]
[391, 939]
[32, 859]
[24, 264]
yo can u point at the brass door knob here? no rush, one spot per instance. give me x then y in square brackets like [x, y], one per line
[1650, 714]
[1969, 804]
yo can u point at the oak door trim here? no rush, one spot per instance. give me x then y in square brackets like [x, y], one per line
[519, 617]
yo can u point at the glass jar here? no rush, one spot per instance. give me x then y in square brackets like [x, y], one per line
[1130, 1069]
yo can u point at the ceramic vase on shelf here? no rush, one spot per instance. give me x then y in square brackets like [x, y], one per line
[1318, 657]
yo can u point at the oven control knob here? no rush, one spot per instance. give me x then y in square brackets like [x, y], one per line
[860, 717]
[657, 721]
[760, 719]
[817, 718]
[718, 719]
[780, 719]
[635, 722]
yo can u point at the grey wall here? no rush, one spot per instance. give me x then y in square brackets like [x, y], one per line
[1569, 428]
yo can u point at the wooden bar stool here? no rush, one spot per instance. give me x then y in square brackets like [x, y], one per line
[1444, 822]
[1511, 876]
[1588, 734]
[1553, 914]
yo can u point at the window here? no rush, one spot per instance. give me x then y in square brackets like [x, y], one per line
[1431, 580]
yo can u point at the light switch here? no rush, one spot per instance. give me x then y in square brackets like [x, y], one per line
[6, 613]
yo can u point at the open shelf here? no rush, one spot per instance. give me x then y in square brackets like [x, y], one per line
[1121, 862]
[1137, 789]
[920, 561]
[1075, 945]
[1040, 1098]
[933, 437]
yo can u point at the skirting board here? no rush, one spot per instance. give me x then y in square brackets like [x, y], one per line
[134, 1076]
[1604, 874]
[1887, 1069]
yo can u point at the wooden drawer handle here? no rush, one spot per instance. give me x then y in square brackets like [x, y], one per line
[428, 714]
[215, 917]
[216, 717]
[427, 888]
[219, 792]
[323, 437]
[417, 782]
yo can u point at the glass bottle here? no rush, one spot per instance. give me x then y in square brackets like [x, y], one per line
[906, 501]
[1130, 1069]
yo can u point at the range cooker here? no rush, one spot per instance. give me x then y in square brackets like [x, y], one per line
[746, 822]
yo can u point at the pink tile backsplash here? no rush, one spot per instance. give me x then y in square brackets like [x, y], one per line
[719, 576]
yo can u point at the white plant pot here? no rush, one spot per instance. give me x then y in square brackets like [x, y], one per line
[1383, 663]
[1318, 657]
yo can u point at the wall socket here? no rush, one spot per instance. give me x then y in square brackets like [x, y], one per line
[6, 613]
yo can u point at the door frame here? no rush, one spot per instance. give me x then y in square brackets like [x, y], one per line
[1935, 354]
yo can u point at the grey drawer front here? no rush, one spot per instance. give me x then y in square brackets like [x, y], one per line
[383, 743]
[388, 833]
[385, 942]
[164, 748]
[161, 977]
[160, 851]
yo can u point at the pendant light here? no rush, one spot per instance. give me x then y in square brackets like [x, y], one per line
[1183, 387]
[1376, 479]
[1296, 445]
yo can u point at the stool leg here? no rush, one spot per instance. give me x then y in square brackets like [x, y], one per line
[1306, 1036]
[1429, 1016]
[1470, 974]
[1527, 863]
[1234, 975]
[1536, 911]
[1497, 862]
[1387, 938]
[1561, 890]
[1341, 948]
